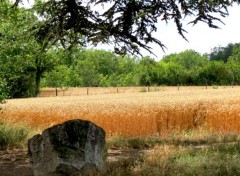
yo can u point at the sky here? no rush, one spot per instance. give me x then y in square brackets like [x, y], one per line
[200, 37]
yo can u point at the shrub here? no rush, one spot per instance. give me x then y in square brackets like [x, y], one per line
[3, 94]
[12, 136]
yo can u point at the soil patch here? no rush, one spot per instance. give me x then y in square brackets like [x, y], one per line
[16, 162]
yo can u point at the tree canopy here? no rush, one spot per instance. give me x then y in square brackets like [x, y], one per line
[127, 24]
[221, 53]
[31, 43]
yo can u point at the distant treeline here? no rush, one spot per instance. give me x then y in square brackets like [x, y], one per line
[87, 68]
[25, 66]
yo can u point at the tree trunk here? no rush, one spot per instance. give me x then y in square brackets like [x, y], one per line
[39, 73]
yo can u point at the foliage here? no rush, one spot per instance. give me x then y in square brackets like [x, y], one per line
[3, 91]
[223, 53]
[19, 52]
[189, 59]
[168, 156]
[235, 55]
[24, 60]
[93, 68]
[50, 38]
[145, 71]
[128, 25]
[214, 73]
[103, 68]
[59, 77]
[12, 136]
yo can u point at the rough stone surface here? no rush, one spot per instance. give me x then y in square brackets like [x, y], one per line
[71, 148]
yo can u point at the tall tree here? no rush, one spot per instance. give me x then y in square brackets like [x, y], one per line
[234, 64]
[3, 91]
[21, 57]
[235, 53]
[16, 54]
[146, 71]
[191, 61]
[215, 72]
[127, 24]
[58, 78]
[221, 53]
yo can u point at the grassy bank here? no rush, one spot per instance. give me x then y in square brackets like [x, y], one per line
[196, 152]
[180, 155]
[174, 132]
[177, 160]
[13, 136]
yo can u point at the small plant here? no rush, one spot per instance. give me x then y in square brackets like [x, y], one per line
[155, 88]
[223, 160]
[116, 142]
[12, 136]
[143, 89]
[215, 87]
[172, 159]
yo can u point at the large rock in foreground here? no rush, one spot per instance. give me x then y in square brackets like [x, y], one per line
[72, 148]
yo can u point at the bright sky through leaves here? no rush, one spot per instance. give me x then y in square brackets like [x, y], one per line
[200, 37]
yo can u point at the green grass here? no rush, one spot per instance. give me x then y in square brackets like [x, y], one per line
[143, 89]
[183, 138]
[223, 160]
[179, 154]
[170, 160]
[215, 87]
[13, 136]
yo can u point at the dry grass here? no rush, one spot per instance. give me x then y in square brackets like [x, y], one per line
[168, 160]
[76, 91]
[135, 114]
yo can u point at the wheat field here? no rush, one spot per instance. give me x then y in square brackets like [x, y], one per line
[135, 113]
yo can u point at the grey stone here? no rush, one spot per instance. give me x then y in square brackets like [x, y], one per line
[71, 148]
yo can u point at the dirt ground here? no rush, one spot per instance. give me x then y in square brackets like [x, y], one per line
[16, 162]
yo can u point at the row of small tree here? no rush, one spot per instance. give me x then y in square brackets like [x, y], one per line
[93, 68]
[38, 47]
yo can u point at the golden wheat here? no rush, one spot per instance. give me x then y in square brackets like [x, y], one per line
[135, 114]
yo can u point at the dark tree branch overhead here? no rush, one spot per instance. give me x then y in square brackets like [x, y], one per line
[127, 24]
